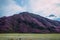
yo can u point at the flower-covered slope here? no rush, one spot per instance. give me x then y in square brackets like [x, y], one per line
[26, 22]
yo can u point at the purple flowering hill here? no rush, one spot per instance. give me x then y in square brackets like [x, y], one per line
[26, 22]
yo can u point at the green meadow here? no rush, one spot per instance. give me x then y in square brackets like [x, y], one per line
[30, 36]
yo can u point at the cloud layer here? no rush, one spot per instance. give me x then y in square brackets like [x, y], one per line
[40, 7]
[47, 7]
[10, 8]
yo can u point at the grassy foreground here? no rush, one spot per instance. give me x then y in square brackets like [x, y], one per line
[31, 36]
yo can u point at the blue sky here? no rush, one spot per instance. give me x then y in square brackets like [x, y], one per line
[40, 7]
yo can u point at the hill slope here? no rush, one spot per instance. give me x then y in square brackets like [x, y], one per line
[28, 23]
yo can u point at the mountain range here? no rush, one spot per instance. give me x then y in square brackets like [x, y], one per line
[26, 22]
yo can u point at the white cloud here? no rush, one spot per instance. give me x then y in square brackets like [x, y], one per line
[41, 7]
[46, 6]
[11, 8]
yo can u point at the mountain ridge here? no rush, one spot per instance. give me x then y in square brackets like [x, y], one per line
[26, 22]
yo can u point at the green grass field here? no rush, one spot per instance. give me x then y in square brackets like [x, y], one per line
[31, 36]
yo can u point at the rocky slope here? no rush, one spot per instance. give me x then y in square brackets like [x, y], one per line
[28, 23]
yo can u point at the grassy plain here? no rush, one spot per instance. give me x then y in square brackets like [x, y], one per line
[16, 36]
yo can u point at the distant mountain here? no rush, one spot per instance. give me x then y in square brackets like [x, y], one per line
[26, 22]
